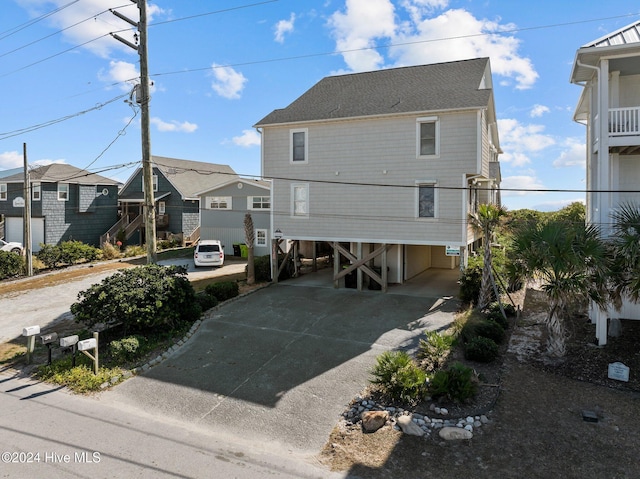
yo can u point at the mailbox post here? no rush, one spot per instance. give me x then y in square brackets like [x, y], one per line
[86, 345]
[70, 342]
[30, 333]
[48, 340]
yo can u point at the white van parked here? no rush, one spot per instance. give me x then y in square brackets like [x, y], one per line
[208, 253]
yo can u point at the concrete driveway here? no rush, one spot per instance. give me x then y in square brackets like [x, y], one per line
[280, 365]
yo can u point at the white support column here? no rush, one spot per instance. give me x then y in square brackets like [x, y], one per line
[604, 178]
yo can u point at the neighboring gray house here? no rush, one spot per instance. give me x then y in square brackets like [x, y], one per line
[223, 208]
[386, 166]
[67, 203]
[608, 70]
[176, 184]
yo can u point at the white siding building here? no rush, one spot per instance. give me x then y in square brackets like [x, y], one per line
[608, 69]
[386, 166]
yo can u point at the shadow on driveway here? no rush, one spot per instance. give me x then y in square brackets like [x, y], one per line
[283, 363]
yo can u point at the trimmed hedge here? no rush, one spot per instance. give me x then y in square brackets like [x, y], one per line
[223, 291]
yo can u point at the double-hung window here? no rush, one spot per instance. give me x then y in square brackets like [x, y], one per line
[299, 146]
[63, 191]
[426, 203]
[427, 132]
[300, 199]
[3, 192]
[155, 183]
[36, 191]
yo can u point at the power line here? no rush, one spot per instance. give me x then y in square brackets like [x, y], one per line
[10, 134]
[14, 30]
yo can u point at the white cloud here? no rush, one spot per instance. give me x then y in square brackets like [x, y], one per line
[425, 38]
[184, 127]
[518, 141]
[92, 22]
[248, 138]
[520, 185]
[11, 159]
[228, 83]
[538, 110]
[124, 73]
[357, 28]
[283, 27]
[575, 154]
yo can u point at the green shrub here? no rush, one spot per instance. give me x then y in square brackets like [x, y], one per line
[134, 250]
[497, 317]
[11, 264]
[482, 327]
[470, 282]
[509, 309]
[262, 268]
[206, 301]
[140, 298]
[457, 383]
[434, 349]
[397, 375]
[67, 253]
[223, 291]
[127, 349]
[481, 349]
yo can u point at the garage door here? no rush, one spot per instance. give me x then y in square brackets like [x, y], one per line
[14, 231]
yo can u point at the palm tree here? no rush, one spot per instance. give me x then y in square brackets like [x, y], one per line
[249, 235]
[486, 220]
[571, 262]
[625, 242]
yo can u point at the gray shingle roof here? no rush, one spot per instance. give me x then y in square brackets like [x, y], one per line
[190, 177]
[63, 173]
[425, 88]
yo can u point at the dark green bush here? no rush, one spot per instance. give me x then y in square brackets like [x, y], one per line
[11, 264]
[206, 301]
[223, 291]
[67, 253]
[482, 327]
[127, 349]
[481, 349]
[140, 298]
[457, 383]
[397, 375]
[509, 308]
[262, 268]
[497, 317]
[470, 282]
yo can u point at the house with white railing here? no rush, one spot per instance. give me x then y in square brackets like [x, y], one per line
[608, 69]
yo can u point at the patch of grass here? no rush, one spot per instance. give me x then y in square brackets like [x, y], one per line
[79, 379]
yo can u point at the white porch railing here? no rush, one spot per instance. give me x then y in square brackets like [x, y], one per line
[624, 121]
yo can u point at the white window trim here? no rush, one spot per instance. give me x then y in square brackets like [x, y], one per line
[36, 187]
[428, 119]
[60, 191]
[306, 146]
[227, 199]
[162, 208]
[154, 178]
[265, 232]
[433, 183]
[293, 200]
[250, 202]
[4, 195]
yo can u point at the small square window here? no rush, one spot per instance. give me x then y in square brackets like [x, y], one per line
[36, 191]
[261, 237]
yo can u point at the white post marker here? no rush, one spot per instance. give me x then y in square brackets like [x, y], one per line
[30, 332]
[86, 345]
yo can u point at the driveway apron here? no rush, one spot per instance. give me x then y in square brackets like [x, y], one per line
[280, 365]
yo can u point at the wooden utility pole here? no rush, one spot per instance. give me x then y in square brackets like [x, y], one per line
[147, 170]
[143, 99]
[26, 219]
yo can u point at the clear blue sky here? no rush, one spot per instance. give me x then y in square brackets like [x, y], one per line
[220, 66]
